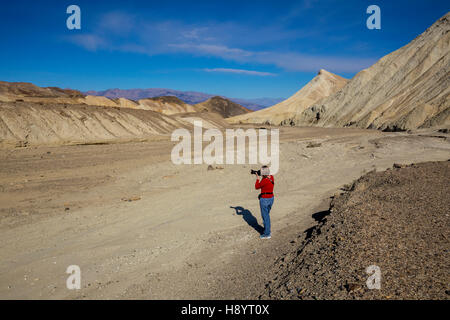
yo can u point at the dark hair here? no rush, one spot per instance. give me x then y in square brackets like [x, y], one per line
[262, 169]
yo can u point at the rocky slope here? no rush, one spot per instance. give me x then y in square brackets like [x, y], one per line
[166, 105]
[321, 86]
[397, 220]
[30, 115]
[222, 106]
[28, 124]
[17, 90]
[406, 89]
[28, 92]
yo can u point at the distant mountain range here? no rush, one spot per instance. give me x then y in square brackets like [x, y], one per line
[190, 97]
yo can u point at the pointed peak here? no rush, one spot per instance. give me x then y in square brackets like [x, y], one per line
[218, 98]
[326, 75]
[323, 72]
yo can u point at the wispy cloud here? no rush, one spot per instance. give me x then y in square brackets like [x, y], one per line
[298, 9]
[118, 23]
[289, 61]
[91, 42]
[241, 71]
[293, 61]
[119, 31]
[205, 49]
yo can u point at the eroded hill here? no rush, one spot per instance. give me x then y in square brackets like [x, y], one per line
[321, 86]
[407, 89]
[222, 106]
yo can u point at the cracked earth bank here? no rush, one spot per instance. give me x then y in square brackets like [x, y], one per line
[398, 220]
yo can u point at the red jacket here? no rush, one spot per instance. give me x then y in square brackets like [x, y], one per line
[266, 186]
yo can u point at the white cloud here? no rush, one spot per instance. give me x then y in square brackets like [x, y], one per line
[289, 61]
[90, 42]
[241, 71]
[294, 61]
[116, 22]
[225, 40]
[214, 50]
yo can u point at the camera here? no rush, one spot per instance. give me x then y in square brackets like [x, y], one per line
[258, 172]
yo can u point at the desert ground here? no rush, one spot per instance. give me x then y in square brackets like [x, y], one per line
[394, 222]
[141, 227]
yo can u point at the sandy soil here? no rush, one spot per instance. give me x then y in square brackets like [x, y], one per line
[180, 238]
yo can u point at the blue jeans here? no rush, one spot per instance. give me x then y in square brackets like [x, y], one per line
[266, 204]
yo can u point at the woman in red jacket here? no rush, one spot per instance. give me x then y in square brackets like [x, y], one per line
[265, 198]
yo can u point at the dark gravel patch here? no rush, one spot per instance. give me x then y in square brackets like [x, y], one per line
[398, 220]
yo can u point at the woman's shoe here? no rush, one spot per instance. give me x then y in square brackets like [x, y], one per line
[265, 236]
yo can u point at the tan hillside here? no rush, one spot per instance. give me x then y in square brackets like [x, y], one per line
[208, 119]
[222, 106]
[27, 123]
[166, 105]
[28, 92]
[321, 86]
[126, 103]
[25, 89]
[31, 115]
[99, 101]
[406, 89]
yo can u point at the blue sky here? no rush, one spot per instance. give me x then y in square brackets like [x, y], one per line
[242, 49]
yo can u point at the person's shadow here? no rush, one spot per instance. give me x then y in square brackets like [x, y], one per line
[249, 218]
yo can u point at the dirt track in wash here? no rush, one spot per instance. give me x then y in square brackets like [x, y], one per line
[63, 205]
